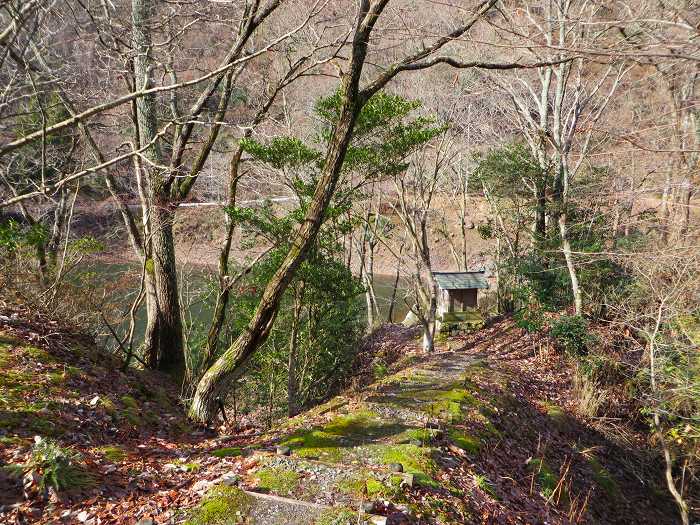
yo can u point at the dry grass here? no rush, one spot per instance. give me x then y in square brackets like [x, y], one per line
[590, 396]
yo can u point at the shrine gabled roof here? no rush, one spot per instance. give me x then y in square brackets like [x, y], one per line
[461, 280]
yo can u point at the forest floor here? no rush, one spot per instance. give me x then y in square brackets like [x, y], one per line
[482, 431]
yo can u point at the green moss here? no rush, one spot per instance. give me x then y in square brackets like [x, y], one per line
[192, 466]
[72, 371]
[29, 416]
[227, 452]
[327, 441]
[131, 411]
[469, 444]
[222, 505]
[389, 489]
[149, 266]
[10, 441]
[45, 426]
[315, 443]
[131, 416]
[449, 411]
[415, 460]
[353, 424]
[458, 395]
[603, 478]
[374, 487]
[354, 486]
[13, 470]
[38, 354]
[337, 516]
[424, 435]
[113, 453]
[278, 480]
[17, 382]
[109, 406]
[57, 377]
[7, 340]
[130, 402]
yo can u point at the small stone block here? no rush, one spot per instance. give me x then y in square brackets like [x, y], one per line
[230, 479]
[396, 467]
[283, 451]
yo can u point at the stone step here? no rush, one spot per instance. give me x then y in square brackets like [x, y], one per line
[325, 483]
[269, 509]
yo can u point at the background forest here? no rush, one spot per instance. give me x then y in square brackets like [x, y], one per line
[248, 197]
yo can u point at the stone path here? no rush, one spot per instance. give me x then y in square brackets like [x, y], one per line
[367, 454]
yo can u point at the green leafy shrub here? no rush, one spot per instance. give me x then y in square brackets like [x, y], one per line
[379, 368]
[572, 334]
[530, 319]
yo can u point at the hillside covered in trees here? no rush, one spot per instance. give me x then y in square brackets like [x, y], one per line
[339, 262]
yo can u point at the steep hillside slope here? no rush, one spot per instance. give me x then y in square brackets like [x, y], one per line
[480, 432]
[64, 401]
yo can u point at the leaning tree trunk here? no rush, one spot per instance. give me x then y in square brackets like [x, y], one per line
[163, 345]
[230, 365]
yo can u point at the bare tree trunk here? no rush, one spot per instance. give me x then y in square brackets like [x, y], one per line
[392, 301]
[368, 301]
[163, 345]
[59, 219]
[364, 277]
[222, 299]
[665, 209]
[668, 472]
[687, 197]
[541, 216]
[293, 379]
[171, 357]
[668, 460]
[566, 248]
[430, 324]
